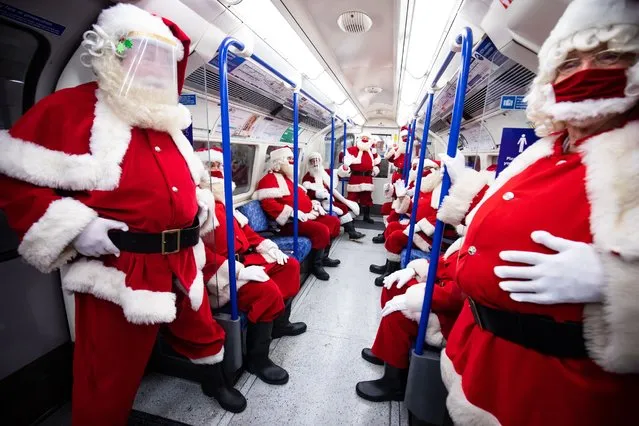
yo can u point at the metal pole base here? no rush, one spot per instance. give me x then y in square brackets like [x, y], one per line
[232, 344]
[425, 391]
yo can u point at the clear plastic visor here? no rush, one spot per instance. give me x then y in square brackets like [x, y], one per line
[150, 68]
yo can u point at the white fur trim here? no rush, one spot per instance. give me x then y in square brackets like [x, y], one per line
[281, 190]
[205, 197]
[281, 154]
[588, 109]
[453, 248]
[434, 336]
[210, 156]
[457, 203]
[420, 266]
[211, 359]
[309, 186]
[393, 257]
[421, 242]
[362, 187]
[343, 173]
[375, 170]
[436, 195]
[240, 218]
[285, 214]
[461, 411]
[196, 289]
[219, 284]
[377, 161]
[107, 283]
[426, 227]
[47, 244]
[347, 218]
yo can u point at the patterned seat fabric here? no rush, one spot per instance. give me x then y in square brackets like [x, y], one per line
[256, 216]
[414, 254]
[286, 245]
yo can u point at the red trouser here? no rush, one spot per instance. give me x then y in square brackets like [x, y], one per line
[388, 294]
[392, 227]
[319, 231]
[264, 301]
[396, 242]
[363, 198]
[111, 354]
[394, 340]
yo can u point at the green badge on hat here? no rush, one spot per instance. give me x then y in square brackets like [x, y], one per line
[123, 45]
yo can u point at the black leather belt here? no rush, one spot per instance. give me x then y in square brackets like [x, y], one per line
[166, 242]
[367, 173]
[241, 256]
[538, 332]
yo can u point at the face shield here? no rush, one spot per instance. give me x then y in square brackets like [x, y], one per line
[149, 64]
[315, 162]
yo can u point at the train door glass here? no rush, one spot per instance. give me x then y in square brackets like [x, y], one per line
[242, 167]
[384, 141]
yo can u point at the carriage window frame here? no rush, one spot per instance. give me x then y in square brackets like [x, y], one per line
[243, 185]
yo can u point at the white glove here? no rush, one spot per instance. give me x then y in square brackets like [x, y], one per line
[400, 188]
[94, 240]
[573, 275]
[202, 212]
[454, 166]
[318, 208]
[375, 171]
[388, 190]
[280, 257]
[348, 160]
[397, 303]
[253, 273]
[321, 194]
[401, 277]
[410, 192]
[301, 216]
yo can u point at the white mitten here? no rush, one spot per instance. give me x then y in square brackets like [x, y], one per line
[94, 240]
[573, 275]
[321, 194]
[388, 190]
[202, 212]
[454, 166]
[301, 216]
[318, 208]
[401, 277]
[397, 303]
[348, 160]
[253, 273]
[280, 257]
[400, 188]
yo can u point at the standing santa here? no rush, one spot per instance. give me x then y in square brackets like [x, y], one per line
[360, 167]
[100, 178]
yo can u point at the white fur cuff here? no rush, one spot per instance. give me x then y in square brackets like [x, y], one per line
[284, 215]
[266, 246]
[460, 197]
[420, 266]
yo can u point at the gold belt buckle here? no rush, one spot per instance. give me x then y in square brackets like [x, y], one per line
[473, 309]
[177, 232]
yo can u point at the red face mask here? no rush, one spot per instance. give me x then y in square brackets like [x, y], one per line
[217, 174]
[592, 84]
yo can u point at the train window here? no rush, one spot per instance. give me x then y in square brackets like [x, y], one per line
[339, 146]
[23, 55]
[473, 162]
[242, 167]
[272, 148]
[383, 142]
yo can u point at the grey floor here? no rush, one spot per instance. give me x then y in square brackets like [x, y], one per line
[324, 363]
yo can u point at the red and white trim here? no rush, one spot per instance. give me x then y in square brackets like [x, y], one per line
[219, 284]
[362, 187]
[279, 191]
[211, 359]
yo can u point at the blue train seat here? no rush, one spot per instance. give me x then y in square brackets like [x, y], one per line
[414, 254]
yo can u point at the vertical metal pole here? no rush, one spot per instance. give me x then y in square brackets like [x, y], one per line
[418, 182]
[330, 190]
[344, 156]
[409, 149]
[296, 131]
[458, 110]
[228, 173]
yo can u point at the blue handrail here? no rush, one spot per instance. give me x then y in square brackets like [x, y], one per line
[409, 150]
[330, 190]
[458, 110]
[418, 181]
[226, 155]
[344, 156]
[296, 131]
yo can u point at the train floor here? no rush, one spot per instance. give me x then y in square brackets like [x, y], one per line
[324, 363]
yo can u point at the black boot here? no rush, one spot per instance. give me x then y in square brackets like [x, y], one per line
[282, 326]
[353, 234]
[258, 341]
[390, 268]
[367, 214]
[215, 385]
[378, 269]
[367, 354]
[379, 239]
[317, 268]
[390, 387]
[327, 261]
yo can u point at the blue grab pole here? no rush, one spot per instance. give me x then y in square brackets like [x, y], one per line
[330, 190]
[458, 109]
[296, 131]
[344, 154]
[418, 182]
[226, 155]
[409, 150]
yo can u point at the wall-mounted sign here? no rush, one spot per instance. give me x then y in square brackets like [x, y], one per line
[513, 102]
[188, 99]
[514, 141]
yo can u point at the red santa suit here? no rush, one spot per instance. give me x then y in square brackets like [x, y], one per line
[361, 171]
[398, 330]
[275, 192]
[396, 158]
[71, 159]
[345, 209]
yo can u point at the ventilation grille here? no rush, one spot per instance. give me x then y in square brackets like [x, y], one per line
[354, 22]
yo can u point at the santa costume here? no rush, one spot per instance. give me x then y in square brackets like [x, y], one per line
[401, 312]
[275, 192]
[267, 279]
[317, 183]
[101, 179]
[550, 332]
[360, 167]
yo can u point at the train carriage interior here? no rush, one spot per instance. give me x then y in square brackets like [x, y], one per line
[264, 77]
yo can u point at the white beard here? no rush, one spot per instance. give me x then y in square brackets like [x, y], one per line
[316, 172]
[142, 106]
[412, 176]
[287, 169]
[364, 146]
[216, 186]
[430, 182]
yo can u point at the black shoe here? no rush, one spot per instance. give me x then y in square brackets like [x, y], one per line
[327, 261]
[367, 215]
[282, 326]
[258, 341]
[367, 354]
[317, 267]
[353, 234]
[217, 387]
[379, 239]
[390, 387]
[378, 269]
[390, 268]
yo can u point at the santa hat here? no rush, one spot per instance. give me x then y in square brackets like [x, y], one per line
[281, 154]
[122, 20]
[313, 156]
[433, 164]
[584, 25]
[403, 132]
[213, 155]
